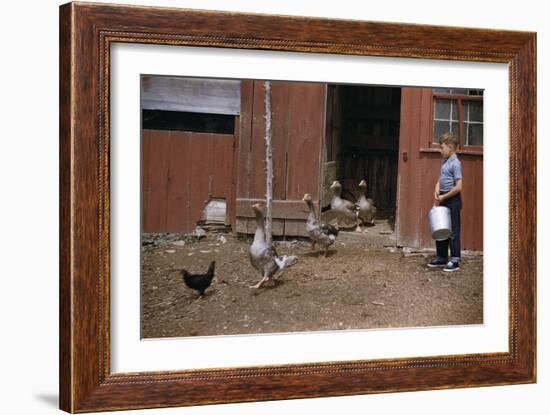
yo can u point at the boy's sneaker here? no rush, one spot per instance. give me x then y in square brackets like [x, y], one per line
[437, 262]
[451, 267]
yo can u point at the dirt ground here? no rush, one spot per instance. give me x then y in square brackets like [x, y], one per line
[364, 283]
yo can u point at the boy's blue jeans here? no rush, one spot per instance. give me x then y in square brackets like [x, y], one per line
[454, 204]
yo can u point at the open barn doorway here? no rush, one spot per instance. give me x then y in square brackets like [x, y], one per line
[362, 143]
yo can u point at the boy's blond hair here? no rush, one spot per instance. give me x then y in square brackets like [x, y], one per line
[449, 139]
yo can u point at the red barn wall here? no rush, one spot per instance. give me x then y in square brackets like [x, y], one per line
[418, 171]
[180, 171]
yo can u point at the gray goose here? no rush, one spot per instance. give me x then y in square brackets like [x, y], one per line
[319, 231]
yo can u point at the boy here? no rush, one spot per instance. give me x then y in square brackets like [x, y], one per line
[447, 193]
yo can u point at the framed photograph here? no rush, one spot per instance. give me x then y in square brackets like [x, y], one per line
[259, 207]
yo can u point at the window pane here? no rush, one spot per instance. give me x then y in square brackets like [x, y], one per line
[474, 135]
[472, 111]
[442, 109]
[442, 90]
[445, 109]
[440, 128]
[454, 127]
[477, 92]
[459, 91]
[475, 112]
[454, 109]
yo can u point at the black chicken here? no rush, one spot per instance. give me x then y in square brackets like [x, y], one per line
[199, 282]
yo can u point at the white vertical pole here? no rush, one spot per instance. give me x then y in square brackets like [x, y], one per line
[269, 164]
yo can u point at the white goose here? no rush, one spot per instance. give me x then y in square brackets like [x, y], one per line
[366, 209]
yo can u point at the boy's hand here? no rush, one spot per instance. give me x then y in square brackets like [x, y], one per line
[437, 198]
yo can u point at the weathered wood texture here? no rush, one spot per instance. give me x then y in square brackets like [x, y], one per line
[363, 140]
[419, 171]
[181, 171]
[297, 133]
[66, 385]
[86, 33]
[211, 96]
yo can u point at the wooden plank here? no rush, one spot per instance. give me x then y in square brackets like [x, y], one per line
[282, 209]
[144, 171]
[201, 147]
[181, 171]
[245, 139]
[278, 227]
[158, 148]
[306, 131]
[257, 152]
[250, 225]
[280, 109]
[428, 164]
[222, 170]
[472, 200]
[407, 201]
[204, 95]
[179, 166]
[295, 228]
[241, 225]
[231, 216]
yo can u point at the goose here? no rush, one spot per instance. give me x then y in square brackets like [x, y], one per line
[263, 256]
[337, 202]
[319, 231]
[342, 212]
[366, 209]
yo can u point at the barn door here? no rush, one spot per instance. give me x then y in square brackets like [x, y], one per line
[414, 189]
[298, 119]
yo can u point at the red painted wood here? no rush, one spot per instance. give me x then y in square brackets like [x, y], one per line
[256, 172]
[245, 137]
[408, 198]
[181, 171]
[306, 133]
[179, 167]
[280, 95]
[418, 175]
[298, 130]
[155, 168]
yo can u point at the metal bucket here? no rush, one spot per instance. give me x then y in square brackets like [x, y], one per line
[440, 222]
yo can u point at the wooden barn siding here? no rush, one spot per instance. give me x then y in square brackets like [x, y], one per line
[179, 169]
[297, 126]
[417, 177]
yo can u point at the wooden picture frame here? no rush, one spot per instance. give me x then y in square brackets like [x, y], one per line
[86, 33]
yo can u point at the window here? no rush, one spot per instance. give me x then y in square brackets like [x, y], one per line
[204, 105]
[187, 121]
[459, 111]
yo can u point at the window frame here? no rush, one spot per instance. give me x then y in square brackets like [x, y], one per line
[462, 147]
